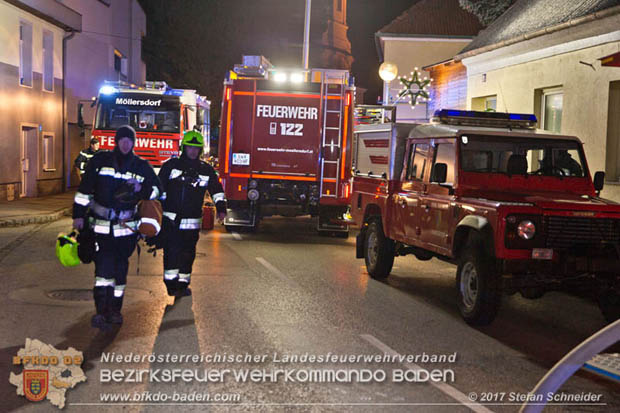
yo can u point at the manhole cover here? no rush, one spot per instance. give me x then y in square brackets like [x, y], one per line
[71, 295]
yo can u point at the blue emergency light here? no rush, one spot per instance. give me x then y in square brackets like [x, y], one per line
[488, 119]
[173, 92]
[107, 90]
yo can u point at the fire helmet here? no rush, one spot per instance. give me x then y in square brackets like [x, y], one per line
[192, 138]
[67, 250]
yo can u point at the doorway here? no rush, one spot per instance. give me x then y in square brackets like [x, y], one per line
[29, 161]
[612, 169]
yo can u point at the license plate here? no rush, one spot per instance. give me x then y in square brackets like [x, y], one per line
[241, 159]
[542, 253]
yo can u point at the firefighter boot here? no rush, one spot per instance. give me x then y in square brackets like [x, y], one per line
[100, 296]
[114, 313]
[172, 286]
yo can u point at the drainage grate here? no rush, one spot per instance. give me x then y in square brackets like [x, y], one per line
[71, 295]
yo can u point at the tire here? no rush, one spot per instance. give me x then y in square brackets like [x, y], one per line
[609, 303]
[378, 251]
[478, 285]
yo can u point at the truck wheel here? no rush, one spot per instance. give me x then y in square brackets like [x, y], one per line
[479, 287]
[609, 303]
[378, 251]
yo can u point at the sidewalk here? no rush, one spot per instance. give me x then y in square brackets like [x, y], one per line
[26, 211]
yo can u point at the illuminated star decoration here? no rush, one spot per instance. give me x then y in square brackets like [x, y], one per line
[415, 88]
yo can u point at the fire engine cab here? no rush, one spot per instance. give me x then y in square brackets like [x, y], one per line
[159, 114]
[285, 144]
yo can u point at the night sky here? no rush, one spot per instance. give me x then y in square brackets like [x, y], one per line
[193, 43]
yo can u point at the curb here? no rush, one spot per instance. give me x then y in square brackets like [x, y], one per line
[35, 219]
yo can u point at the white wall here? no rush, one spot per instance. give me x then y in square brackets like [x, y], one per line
[409, 53]
[10, 17]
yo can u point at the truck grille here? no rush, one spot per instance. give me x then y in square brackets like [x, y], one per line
[566, 232]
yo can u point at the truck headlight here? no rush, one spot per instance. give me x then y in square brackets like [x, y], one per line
[253, 184]
[253, 195]
[526, 229]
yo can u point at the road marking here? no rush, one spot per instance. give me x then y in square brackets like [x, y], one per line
[445, 388]
[237, 236]
[277, 272]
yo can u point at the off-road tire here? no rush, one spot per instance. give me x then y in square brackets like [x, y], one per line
[378, 251]
[478, 285]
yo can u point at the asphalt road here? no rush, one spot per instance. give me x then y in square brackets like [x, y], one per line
[286, 291]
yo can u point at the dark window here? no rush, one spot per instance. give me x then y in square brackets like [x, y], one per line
[549, 157]
[162, 118]
[417, 164]
[444, 153]
[339, 5]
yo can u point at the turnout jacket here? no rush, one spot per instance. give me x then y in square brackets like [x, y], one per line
[184, 182]
[105, 181]
[82, 159]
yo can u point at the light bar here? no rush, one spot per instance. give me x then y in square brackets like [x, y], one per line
[280, 77]
[107, 90]
[488, 119]
[174, 92]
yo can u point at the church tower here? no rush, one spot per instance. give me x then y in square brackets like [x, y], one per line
[336, 53]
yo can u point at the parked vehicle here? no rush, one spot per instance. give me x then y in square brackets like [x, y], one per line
[159, 114]
[285, 144]
[515, 208]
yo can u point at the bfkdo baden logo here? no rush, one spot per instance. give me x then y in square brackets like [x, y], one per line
[35, 384]
[47, 372]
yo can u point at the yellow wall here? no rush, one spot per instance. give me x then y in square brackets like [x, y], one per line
[585, 101]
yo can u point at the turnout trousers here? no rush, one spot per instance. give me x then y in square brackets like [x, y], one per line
[179, 254]
[111, 267]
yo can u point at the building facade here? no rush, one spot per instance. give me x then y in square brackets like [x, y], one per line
[552, 67]
[31, 100]
[428, 32]
[109, 48]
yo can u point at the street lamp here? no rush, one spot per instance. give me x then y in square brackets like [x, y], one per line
[387, 72]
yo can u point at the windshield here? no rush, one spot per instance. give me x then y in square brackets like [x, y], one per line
[150, 113]
[519, 156]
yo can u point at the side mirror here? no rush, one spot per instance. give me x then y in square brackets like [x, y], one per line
[439, 173]
[599, 180]
[80, 115]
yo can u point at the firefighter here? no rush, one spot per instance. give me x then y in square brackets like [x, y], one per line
[85, 155]
[111, 187]
[184, 182]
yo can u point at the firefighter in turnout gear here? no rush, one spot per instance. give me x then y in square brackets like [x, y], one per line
[107, 197]
[85, 155]
[184, 183]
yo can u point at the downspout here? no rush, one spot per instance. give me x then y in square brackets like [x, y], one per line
[306, 50]
[66, 169]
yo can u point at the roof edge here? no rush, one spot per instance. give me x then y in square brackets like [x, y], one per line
[547, 30]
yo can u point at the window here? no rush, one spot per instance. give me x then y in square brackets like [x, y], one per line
[415, 169]
[120, 64]
[25, 54]
[484, 103]
[444, 153]
[48, 61]
[339, 5]
[552, 101]
[48, 152]
[503, 155]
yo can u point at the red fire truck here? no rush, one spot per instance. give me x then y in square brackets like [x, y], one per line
[514, 207]
[159, 114]
[285, 144]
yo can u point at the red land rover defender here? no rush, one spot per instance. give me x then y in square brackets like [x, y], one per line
[515, 208]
